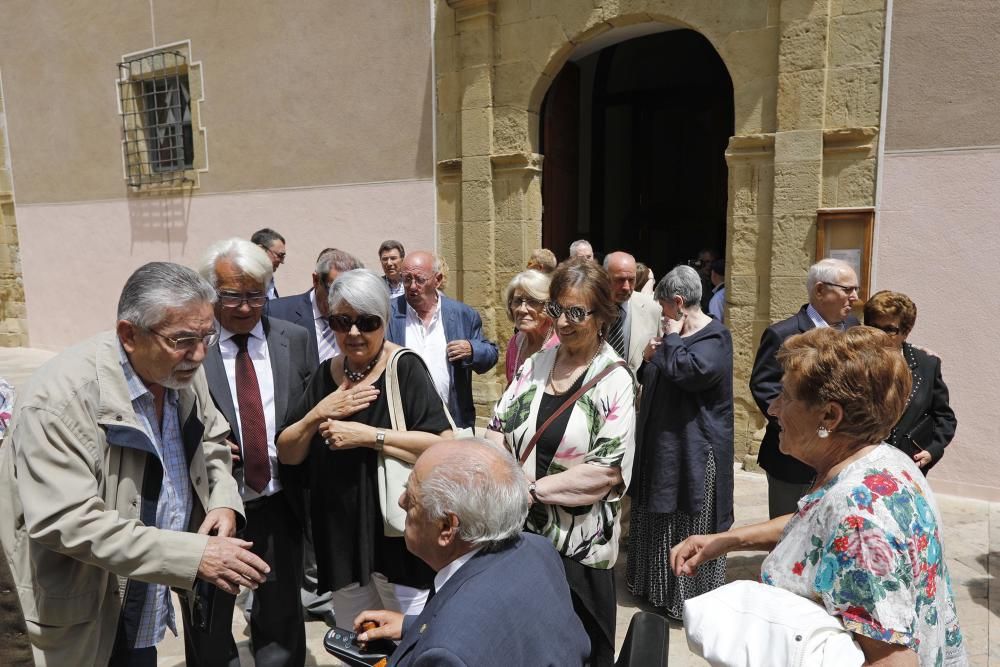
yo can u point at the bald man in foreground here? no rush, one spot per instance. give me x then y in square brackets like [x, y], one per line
[500, 595]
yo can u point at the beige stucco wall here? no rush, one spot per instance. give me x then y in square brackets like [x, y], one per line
[318, 123]
[935, 231]
[807, 89]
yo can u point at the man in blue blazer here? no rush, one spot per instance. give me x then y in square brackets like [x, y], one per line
[446, 333]
[500, 595]
[833, 290]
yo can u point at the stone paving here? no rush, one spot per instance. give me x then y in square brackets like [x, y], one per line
[971, 538]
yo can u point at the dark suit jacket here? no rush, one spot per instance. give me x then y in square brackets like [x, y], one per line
[509, 607]
[765, 385]
[930, 397]
[296, 309]
[460, 323]
[291, 367]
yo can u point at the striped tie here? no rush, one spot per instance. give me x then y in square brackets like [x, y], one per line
[616, 336]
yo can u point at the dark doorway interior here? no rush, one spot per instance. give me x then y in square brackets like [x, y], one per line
[634, 138]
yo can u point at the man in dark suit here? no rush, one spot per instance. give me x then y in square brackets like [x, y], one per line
[256, 373]
[500, 596]
[833, 290]
[309, 310]
[447, 334]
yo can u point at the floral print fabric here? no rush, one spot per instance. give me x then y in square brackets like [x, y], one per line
[600, 431]
[867, 546]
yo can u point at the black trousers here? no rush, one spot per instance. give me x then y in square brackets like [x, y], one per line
[277, 628]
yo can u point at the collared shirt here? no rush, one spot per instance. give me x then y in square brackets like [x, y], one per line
[272, 291]
[431, 344]
[260, 356]
[324, 334]
[449, 570]
[715, 306]
[173, 509]
[816, 318]
[396, 290]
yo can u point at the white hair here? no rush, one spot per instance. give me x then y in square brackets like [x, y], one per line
[682, 281]
[363, 291]
[826, 271]
[534, 284]
[579, 244]
[484, 486]
[157, 287]
[247, 256]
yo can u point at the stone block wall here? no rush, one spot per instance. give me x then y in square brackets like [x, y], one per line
[13, 313]
[807, 88]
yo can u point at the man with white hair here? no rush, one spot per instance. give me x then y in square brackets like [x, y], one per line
[833, 291]
[581, 248]
[257, 372]
[115, 453]
[500, 595]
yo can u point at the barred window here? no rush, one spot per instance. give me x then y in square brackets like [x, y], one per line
[156, 119]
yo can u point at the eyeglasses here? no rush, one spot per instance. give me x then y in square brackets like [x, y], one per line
[532, 304]
[364, 323]
[889, 329]
[575, 314]
[234, 300]
[280, 256]
[847, 289]
[414, 278]
[188, 343]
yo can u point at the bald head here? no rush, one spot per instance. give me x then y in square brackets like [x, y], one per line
[621, 269]
[463, 494]
[421, 277]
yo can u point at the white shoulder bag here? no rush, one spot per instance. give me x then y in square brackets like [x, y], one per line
[750, 624]
[392, 472]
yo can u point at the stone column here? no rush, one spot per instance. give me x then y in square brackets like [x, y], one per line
[13, 312]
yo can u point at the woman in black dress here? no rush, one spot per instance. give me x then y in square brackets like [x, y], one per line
[928, 422]
[333, 440]
[685, 446]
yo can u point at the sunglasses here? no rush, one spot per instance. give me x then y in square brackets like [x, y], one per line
[364, 323]
[575, 314]
[889, 329]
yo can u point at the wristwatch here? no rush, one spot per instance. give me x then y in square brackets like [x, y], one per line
[379, 440]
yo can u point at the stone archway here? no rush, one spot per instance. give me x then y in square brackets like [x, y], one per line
[806, 80]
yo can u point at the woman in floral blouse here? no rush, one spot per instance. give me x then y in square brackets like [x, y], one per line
[582, 461]
[866, 540]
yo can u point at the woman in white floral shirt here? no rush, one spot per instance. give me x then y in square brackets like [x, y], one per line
[582, 461]
[866, 540]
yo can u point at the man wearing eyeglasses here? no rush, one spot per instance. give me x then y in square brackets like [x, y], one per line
[833, 291]
[256, 374]
[116, 484]
[310, 309]
[273, 244]
[447, 334]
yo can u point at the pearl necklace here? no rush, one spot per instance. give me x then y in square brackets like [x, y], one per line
[358, 376]
[574, 374]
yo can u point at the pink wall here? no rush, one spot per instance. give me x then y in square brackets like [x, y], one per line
[936, 241]
[77, 256]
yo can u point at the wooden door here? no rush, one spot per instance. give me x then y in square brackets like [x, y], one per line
[560, 143]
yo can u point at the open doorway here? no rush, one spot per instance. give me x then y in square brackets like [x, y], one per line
[634, 138]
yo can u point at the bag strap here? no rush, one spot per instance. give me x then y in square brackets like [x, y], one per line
[392, 395]
[567, 403]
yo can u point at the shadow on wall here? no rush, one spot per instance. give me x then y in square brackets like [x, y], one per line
[159, 218]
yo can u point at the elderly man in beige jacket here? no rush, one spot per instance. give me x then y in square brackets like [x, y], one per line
[115, 482]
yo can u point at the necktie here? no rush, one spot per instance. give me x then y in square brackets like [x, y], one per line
[328, 342]
[253, 428]
[616, 337]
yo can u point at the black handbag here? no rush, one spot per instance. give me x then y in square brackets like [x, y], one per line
[921, 434]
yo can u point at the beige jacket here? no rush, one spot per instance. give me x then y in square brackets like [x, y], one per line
[71, 476]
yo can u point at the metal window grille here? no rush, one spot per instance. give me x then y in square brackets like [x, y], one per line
[156, 119]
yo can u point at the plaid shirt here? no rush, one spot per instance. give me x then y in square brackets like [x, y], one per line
[176, 499]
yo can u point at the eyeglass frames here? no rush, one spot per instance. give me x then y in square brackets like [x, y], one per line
[365, 323]
[847, 289]
[235, 300]
[188, 343]
[575, 314]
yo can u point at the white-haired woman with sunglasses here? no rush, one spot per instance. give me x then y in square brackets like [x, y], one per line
[333, 438]
[581, 460]
[526, 297]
